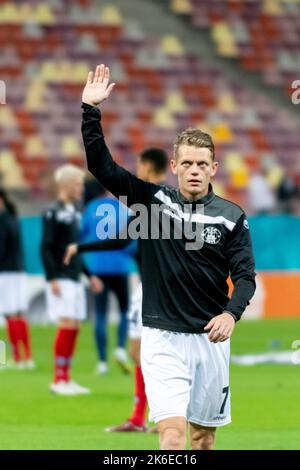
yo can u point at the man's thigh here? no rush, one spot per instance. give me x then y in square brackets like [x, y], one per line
[210, 394]
[166, 374]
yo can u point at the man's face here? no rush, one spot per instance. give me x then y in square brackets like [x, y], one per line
[194, 167]
[74, 188]
[144, 170]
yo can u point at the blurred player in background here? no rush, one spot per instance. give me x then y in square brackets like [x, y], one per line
[13, 289]
[188, 318]
[151, 166]
[112, 267]
[64, 292]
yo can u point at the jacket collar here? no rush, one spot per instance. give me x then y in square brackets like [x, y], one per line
[204, 200]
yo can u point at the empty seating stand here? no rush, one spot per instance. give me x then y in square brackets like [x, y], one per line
[46, 52]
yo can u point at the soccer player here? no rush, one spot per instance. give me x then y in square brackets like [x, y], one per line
[112, 267]
[13, 295]
[188, 318]
[151, 166]
[64, 293]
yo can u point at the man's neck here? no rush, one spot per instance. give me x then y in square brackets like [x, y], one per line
[157, 179]
[194, 197]
[64, 198]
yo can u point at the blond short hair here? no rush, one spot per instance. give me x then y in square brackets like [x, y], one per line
[67, 172]
[196, 138]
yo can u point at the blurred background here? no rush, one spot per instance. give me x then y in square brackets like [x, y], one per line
[225, 66]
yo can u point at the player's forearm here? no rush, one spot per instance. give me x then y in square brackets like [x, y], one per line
[103, 245]
[115, 178]
[50, 268]
[85, 270]
[48, 261]
[99, 159]
[242, 294]
[2, 245]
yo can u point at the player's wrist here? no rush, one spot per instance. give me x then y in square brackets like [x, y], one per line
[90, 103]
[231, 314]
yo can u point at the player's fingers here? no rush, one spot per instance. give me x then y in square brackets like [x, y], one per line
[227, 333]
[97, 74]
[109, 89]
[224, 334]
[90, 77]
[214, 330]
[224, 338]
[210, 324]
[101, 73]
[222, 330]
[106, 76]
[211, 335]
[216, 338]
[214, 333]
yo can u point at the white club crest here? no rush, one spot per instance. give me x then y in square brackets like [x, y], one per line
[211, 235]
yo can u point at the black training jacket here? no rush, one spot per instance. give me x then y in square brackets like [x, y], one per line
[11, 256]
[61, 226]
[182, 288]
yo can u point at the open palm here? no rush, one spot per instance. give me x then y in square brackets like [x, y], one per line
[97, 87]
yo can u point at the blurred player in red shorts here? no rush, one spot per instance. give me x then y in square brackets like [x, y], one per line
[13, 294]
[65, 294]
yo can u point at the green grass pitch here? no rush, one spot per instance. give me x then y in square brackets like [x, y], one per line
[265, 398]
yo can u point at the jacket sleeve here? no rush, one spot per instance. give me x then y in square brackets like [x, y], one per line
[104, 245]
[47, 245]
[108, 244]
[10, 237]
[242, 269]
[2, 241]
[114, 178]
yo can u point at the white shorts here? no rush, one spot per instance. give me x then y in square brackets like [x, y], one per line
[186, 375]
[13, 293]
[135, 324]
[70, 304]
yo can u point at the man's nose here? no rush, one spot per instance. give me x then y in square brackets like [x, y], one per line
[195, 170]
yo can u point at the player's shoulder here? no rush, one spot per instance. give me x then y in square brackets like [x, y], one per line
[226, 203]
[163, 190]
[50, 211]
[11, 220]
[229, 209]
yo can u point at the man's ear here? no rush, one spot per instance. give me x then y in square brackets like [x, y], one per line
[173, 165]
[215, 168]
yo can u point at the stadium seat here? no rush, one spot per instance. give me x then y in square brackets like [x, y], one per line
[182, 7]
[70, 147]
[111, 15]
[11, 173]
[171, 45]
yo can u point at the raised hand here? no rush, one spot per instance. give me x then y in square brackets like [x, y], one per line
[97, 88]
